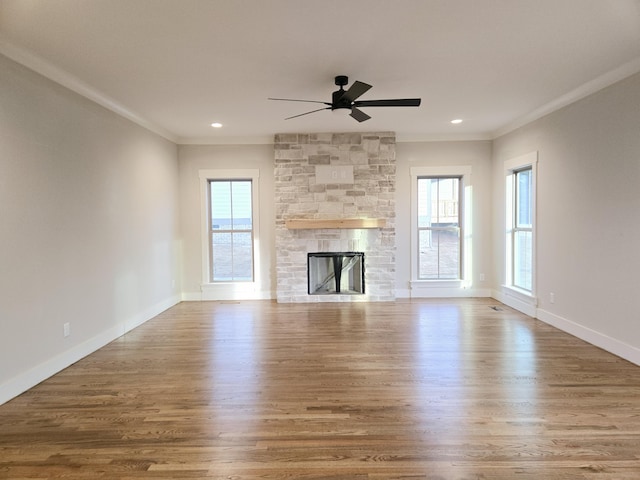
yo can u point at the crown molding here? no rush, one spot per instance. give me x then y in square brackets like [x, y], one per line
[249, 140]
[46, 69]
[626, 70]
[443, 137]
[58, 75]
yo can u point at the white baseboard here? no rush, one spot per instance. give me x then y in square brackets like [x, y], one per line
[598, 339]
[591, 336]
[228, 291]
[41, 372]
[517, 302]
[448, 292]
[150, 312]
[192, 296]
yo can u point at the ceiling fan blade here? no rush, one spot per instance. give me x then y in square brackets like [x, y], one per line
[307, 113]
[355, 90]
[295, 100]
[398, 102]
[359, 115]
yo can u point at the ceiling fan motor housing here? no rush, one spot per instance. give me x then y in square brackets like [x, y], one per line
[338, 100]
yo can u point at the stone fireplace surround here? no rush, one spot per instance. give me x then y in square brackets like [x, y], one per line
[300, 196]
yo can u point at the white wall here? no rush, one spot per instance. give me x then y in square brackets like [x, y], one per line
[88, 213]
[475, 154]
[194, 158]
[588, 229]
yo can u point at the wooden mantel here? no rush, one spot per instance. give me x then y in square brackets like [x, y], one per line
[317, 223]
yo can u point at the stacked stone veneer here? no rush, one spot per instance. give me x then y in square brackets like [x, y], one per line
[300, 196]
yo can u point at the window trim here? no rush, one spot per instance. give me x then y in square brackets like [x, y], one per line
[464, 173]
[511, 168]
[205, 177]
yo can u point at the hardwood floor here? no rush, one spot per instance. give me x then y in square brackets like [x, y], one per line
[429, 389]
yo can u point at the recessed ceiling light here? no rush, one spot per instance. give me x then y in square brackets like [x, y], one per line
[216, 125]
[456, 121]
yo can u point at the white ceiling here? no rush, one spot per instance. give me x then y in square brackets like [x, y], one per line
[176, 66]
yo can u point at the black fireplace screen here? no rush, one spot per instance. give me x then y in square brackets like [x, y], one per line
[335, 273]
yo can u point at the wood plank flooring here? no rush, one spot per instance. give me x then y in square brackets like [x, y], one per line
[429, 389]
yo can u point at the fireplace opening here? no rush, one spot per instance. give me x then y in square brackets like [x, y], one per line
[335, 273]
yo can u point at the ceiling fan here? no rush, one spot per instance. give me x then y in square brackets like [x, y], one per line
[347, 99]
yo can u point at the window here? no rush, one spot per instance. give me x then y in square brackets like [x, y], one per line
[520, 222]
[439, 245]
[441, 234]
[231, 230]
[522, 230]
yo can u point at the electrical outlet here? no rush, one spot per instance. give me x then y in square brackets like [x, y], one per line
[66, 329]
[482, 277]
[552, 297]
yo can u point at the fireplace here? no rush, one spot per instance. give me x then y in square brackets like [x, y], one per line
[335, 273]
[318, 209]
